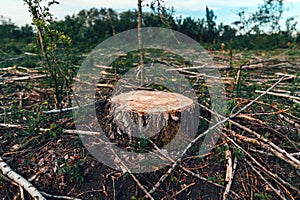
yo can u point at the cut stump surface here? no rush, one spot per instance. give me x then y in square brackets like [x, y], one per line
[151, 101]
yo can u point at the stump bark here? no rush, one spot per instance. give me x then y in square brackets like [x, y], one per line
[165, 118]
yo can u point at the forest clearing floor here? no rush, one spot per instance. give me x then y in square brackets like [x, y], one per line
[256, 157]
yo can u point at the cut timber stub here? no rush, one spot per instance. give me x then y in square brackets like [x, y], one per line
[156, 115]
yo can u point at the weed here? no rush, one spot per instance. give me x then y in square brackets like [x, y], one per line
[144, 142]
[211, 179]
[174, 179]
[136, 198]
[72, 168]
[263, 196]
[240, 154]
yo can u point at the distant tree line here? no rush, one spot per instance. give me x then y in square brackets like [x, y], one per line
[14, 39]
[264, 29]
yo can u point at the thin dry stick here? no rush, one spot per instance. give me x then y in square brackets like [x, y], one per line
[247, 117]
[175, 164]
[113, 179]
[289, 75]
[7, 171]
[277, 192]
[55, 111]
[267, 147]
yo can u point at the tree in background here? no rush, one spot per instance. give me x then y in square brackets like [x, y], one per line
[264, 28]
[211, 32]
[159, 6]
[192, 28]
[89, 27]
[227, 33]
[141, 52]
[265, 20]
[268, 16]
[9, 32]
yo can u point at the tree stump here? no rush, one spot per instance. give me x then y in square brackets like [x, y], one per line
[167, 119]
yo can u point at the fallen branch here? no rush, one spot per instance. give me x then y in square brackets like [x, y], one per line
[7, 171]
[230, 169]
[295, 101]
[290, 121]
[11, 125]
[24, 78]
[60, 110]
[56, 111]
[248, 117]
[103, 67]
[279, 95]
[270, 154]
[21, 193]
[58, 197]
[288, 75]
[105, 85]
[8, 68]
[30, 54]
[267, 147]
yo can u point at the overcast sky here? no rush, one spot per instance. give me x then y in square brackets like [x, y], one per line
[224, 10]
